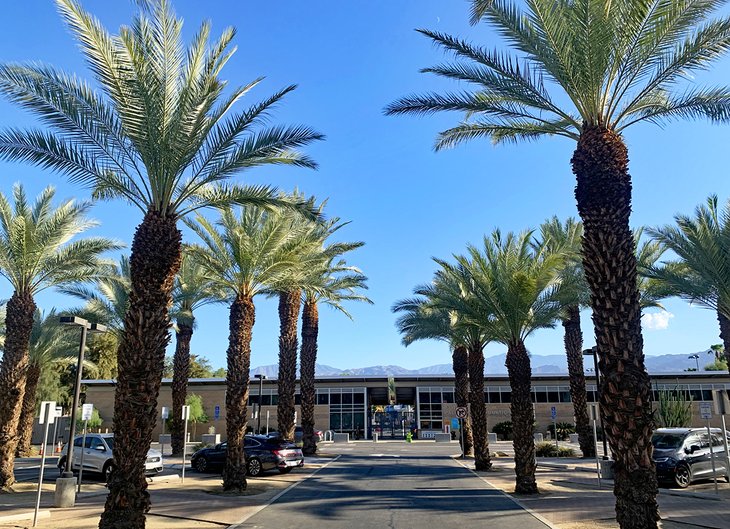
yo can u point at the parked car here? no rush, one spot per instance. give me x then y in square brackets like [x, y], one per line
[299, 435]
[262, 453]
[98, 455]
[682, 455]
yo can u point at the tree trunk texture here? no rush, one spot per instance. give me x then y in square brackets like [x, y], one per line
[523, 417]
[13, 368]
[289, 305]
[478, 409]
[603, 194]
[460, 358]
[27, 415]
[180, 376]
[155, 260]
[724, 322]
[241, 321]
[573, 339]
[308, 361]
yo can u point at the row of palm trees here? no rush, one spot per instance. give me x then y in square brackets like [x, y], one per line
[514, 285]
[588, 70]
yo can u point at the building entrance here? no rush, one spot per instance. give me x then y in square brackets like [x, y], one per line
[393, 422]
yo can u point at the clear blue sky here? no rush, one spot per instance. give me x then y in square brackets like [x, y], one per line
[405, 201]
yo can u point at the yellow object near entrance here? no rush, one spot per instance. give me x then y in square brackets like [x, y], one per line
[409, 437]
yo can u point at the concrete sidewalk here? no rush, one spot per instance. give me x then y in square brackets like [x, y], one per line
[570, 498]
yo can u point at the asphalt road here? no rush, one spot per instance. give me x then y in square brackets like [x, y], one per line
[389, 487]
[27, 469]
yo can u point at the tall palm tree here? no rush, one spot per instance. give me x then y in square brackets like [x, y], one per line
[454, 294]
[192, 290]
[36, 253]
[587, 70]
[701, 274]
[331, 282]
[515, 288]
[49, 345]
[419, 321]
[162, 135]
[243, 256]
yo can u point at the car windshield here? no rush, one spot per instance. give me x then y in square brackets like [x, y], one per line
[663, 441]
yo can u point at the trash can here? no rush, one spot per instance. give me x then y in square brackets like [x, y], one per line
[607, 468]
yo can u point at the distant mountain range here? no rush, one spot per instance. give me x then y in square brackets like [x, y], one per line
[494, 365]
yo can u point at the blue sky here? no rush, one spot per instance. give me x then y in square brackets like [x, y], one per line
[405, 201]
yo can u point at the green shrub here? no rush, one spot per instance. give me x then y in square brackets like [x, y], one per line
[503, 430]
[548, 449]
[564, 430]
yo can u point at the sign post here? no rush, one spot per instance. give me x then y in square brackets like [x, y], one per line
[554, 415]
[706, 413]
[185, 417]
[722, 408]
[59, 413]
[594, 414]
[86, 411]
[461, 413]
[165, 415]
[48, 416]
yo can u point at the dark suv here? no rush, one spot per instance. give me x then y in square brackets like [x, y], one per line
[262, 453]
[682, 455]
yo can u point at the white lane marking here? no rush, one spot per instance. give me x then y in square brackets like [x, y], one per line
[239, 523]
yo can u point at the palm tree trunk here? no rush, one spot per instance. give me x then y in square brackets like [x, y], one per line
[289, 304]
[724, 322]
[523, 417]
[241, 321]
[308, 361]
[573, 339]
[155, 259]
[27, 415]
[603, 194]
[180, 376]
[460, 358]
[478, 409]
[18, 327]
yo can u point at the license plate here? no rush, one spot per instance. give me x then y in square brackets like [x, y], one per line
[292, 463]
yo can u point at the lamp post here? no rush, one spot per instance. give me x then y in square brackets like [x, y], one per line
[85, 327]
[696, 358]
[261, 390]
[593, 352]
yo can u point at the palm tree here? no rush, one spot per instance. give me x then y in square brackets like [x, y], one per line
[419, 321]
[587, 70]
[701, 274]
[452, 293]
[161, 134]
[36, 254]
[251, 252]
[192, 290]
[49, 345]
[515, 290]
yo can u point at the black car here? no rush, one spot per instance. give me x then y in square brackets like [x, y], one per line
[682, 455]
[262, 453]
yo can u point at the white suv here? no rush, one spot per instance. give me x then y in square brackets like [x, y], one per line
[98, 455]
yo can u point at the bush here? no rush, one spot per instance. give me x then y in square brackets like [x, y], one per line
[503, 430]
[548, 449]
[564, 430]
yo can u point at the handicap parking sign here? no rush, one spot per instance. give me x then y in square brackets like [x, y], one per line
[553, 412]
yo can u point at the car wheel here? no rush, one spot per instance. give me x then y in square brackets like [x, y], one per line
[254, 467]
[682, 476]
[107, 471]
[285, 470]
[201, 464]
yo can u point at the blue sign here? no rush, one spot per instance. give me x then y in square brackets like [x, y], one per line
[553, 412]
[454, 423]
[217, 413]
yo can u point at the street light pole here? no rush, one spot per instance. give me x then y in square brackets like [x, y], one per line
[697, 359]
[261, 390]
[593, 352]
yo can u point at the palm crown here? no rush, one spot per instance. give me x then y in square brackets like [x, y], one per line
[159, 132]
[617, 63]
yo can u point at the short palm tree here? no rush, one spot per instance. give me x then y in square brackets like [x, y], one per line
[587, 70]
[332, 282]
[701, 274]
[192, 290]
[515, 289]
[161, 134]
[419, 321]
[36, 253]
[49, 345]
[243, 255]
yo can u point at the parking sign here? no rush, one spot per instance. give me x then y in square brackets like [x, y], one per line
[553, 412]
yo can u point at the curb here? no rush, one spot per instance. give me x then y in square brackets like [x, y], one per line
[24, 516]
[686, 494]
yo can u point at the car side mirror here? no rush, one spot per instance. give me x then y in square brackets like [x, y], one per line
[693, 449]
[101, 448]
